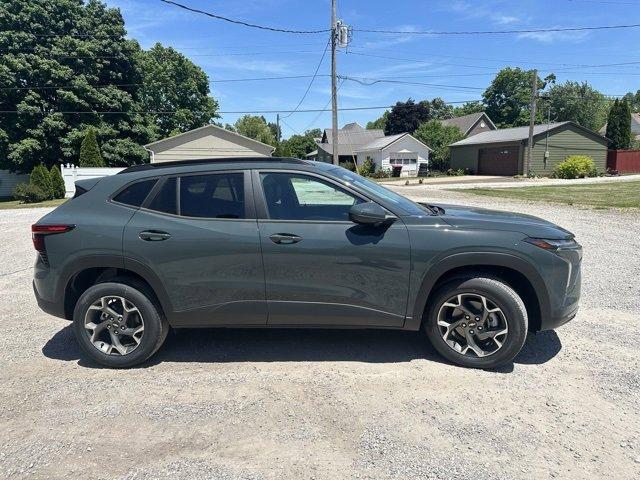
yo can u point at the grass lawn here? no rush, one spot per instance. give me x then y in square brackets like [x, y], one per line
[600, 195]
[7, 204]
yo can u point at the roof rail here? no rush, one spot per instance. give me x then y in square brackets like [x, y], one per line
[201, 161]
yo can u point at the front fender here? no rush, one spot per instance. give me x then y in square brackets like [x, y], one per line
[479, 259]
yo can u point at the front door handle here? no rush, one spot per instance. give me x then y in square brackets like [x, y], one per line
[154, 236]
[285, 238]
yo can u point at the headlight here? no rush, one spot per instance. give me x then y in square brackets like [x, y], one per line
[553, 244]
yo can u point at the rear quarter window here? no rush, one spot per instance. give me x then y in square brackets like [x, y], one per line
[134, 195]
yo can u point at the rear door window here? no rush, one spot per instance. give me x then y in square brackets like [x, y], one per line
[219, 195]
[134, 195]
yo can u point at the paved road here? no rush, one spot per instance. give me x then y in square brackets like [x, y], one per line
[330, 405]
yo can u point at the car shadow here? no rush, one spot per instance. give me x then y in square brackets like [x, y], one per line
[297, 345]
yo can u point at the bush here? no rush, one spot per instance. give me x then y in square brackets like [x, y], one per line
[57, 182]
[90, 155]
[41, 178]
[29, 193]
[367, 169]
[575, 166]
[349, 166]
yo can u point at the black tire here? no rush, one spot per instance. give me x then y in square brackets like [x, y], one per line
[500, 294]
[156, 327]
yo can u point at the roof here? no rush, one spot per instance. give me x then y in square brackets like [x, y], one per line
[517, 134]
[466, 122]
[384, 142]
[350, 138]
[202, 131]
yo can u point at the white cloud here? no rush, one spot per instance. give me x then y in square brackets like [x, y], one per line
[505, 19]
[553, 37]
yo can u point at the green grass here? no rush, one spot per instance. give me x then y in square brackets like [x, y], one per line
[599, 195]
[7, 204]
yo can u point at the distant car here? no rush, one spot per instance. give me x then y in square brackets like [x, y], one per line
[279, 242]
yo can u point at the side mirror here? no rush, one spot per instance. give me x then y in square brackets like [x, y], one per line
[369, 213]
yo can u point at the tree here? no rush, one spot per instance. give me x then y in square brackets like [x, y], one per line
[438, 137]
[619, 126]
[90, 155]
[299, 145]
[468, 108]
[276, 130]
[313, 133]
[633, 99]
[380, 123]
[578, 102]
[173, 83]
[255, 127]
[57, 182]
[407, 116]
[508, 99]
[46, 46]
[41, 179]
[440, 110]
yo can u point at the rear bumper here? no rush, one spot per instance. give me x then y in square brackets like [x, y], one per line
[54, 308]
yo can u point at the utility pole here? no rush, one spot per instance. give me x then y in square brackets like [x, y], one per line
[532, 122]
[278, 127]
[334, 93]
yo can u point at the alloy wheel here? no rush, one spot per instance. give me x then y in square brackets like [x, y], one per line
[114, 325]
[472, 325]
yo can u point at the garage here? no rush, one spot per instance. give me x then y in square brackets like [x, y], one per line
[503, 152]
[498, 161]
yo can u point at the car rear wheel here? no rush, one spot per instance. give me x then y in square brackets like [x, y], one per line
[477, 322]
[118, 325]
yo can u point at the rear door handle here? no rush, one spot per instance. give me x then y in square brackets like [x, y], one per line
[154, 236]
[285, 238]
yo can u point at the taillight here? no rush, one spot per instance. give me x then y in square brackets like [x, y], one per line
[38, 232]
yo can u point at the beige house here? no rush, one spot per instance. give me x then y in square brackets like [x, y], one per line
[205, 142]
[471, 124]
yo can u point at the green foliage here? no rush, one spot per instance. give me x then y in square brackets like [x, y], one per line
[41, 178]
[438, 137]
[57, 182]
[255, 127]
[619, 126]
[508, 99]
[90, 155]
[468, 108]
[348, 165]
[299, 145]
[440, 110]
[407, 116]
[577, 102]
[174, 83]
[29, 193]
[633, 99]
[379, 123]
[313, 133]
[575, 166]
[367, 169]
[46, 48]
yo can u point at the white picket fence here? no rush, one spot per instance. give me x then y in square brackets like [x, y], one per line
[71, 173]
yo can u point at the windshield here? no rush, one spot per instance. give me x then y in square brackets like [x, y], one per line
[407, 206]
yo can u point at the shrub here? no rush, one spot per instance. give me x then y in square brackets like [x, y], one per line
[349, 166]
[575, 166]
[90, 155]
[367, 169]
[29, 193]
[57, 182]
[41, 178]
[381, 174]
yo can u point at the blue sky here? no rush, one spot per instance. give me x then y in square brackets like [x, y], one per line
[230, 52]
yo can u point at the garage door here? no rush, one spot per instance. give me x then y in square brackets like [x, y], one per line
[498, 161]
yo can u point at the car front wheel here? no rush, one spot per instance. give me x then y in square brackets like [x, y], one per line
[477, 321]
[118, 325]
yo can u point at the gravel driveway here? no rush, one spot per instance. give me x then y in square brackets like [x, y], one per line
[253, 404]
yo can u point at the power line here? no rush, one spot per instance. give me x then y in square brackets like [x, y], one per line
[239, 22]
[167, 112]
[372, 81]
[324, 53]
[498, 32]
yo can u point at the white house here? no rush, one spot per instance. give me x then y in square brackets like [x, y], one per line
[394, 150]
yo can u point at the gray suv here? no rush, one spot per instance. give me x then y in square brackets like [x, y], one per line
[281, 242]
